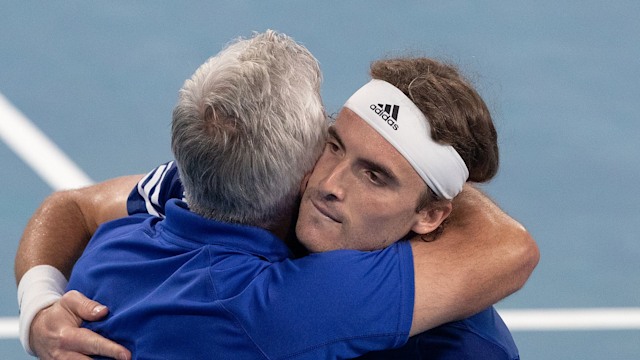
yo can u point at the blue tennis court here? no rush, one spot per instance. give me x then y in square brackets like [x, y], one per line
[98, 80]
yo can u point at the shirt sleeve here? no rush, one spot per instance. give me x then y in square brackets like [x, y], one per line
[154, 190]
[334, 305]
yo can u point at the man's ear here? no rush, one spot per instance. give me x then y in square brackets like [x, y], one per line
[429, 218]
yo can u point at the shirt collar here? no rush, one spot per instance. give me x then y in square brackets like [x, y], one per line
[187, 225]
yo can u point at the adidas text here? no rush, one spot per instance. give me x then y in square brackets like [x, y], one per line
[386, 117]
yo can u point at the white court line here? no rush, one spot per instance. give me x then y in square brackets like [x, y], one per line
[8, 328]
[592, 319]
[35, 149]
[572, 319]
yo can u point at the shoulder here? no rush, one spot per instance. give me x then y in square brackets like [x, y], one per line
[155, 189]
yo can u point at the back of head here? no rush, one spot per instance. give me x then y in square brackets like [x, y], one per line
[457, 114]
[247, 127]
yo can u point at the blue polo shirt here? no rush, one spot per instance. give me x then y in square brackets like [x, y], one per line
[185, 287]
[482, 336]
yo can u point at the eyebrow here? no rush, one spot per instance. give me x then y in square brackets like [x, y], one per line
[370, 164]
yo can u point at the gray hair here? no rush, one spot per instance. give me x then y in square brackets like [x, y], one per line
[248, 126]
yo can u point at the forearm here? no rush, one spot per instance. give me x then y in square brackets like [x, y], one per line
[59, 230]
[55, 235]
[54, 239]
[482, 257]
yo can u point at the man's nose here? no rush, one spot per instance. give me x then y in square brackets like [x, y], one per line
[333, 184]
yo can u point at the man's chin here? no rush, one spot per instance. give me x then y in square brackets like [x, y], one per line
[315, 239]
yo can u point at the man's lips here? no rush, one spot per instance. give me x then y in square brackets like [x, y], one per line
[322, 208]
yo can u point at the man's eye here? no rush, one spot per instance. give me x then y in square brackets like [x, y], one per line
[332, 146]
[374, 178]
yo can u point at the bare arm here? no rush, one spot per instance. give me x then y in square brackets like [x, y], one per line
[56, 235]
[59, 230]
[482, 257]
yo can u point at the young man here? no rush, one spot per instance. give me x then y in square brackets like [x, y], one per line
[227, 127]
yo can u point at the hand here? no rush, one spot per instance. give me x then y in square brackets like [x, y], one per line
[56, 334]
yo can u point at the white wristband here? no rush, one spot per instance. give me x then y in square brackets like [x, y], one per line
[39, 287]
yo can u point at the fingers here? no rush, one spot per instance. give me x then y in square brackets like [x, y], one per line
[56, 333]
[83, 341]
[83, 307]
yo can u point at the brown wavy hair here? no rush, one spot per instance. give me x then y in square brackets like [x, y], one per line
[457, 115]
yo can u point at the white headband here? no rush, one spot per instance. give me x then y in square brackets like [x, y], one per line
[392, 114]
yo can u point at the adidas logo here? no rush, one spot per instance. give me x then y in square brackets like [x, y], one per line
[388, 113]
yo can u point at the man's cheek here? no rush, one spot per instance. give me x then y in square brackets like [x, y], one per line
[304, 183]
